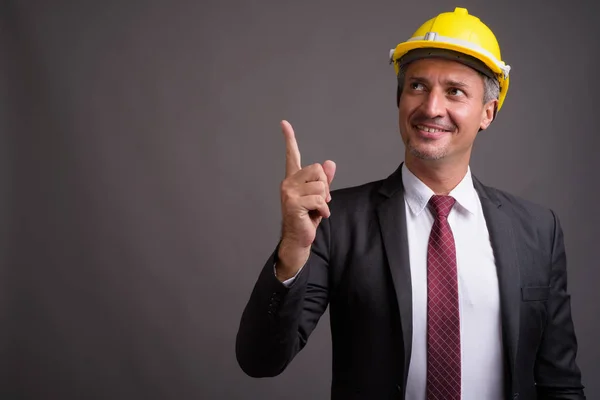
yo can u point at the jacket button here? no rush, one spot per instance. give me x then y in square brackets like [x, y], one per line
[399, 393]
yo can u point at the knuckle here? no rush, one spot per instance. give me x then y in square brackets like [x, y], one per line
[286, 194]
[289, 183]
[316, 167]
[284, 188]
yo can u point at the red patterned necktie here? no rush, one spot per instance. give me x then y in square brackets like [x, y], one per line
[443, 321]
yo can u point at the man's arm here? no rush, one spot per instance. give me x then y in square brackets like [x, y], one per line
[556, 372]
[278, 320]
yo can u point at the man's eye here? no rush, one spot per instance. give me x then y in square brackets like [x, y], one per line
[416, 86]
[456, 92]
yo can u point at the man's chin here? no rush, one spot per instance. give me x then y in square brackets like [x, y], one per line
[427, 154]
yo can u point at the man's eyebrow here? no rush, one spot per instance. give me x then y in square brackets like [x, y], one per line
[455, 83]
[419, 79]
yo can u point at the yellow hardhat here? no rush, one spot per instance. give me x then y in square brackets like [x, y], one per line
[460, 33]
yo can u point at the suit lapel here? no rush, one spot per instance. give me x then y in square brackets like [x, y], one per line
[392, 220]
[505, 252]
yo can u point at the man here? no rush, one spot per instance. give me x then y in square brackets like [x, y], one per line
[439, 287]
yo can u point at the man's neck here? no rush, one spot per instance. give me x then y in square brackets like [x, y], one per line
[441, 177]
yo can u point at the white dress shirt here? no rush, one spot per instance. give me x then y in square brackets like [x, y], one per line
[479, 300]
[482, 364]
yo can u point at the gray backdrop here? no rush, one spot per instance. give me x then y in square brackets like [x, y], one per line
[141, 158]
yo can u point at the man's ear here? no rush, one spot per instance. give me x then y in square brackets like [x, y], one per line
[488, 114]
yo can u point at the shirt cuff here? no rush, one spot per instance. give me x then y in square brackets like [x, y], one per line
[287, 282]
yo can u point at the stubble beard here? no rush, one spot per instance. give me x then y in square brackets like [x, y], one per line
[429, 154]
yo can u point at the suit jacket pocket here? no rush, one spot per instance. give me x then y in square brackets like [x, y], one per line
[535, 293]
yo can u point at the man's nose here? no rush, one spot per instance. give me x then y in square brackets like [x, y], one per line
[434, 104]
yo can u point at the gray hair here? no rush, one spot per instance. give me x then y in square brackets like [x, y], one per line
[491, 87]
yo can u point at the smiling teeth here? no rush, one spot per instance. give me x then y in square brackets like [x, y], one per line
[432, 130]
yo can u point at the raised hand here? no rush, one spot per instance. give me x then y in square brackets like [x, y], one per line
[304, 203]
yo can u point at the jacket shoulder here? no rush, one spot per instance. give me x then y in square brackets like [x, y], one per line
[356, 197]
[528, 212]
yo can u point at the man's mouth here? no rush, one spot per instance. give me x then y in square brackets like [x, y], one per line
[430, 129]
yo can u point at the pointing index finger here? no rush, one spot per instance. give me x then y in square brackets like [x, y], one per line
[292, 153]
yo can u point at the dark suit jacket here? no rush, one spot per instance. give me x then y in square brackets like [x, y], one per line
[359, 266]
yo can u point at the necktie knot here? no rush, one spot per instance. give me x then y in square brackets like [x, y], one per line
[441, 205]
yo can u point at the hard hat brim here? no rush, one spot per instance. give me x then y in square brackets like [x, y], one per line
[430, 52]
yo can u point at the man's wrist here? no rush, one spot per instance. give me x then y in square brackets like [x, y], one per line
[290, 259]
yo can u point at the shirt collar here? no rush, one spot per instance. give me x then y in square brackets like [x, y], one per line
[417, 194]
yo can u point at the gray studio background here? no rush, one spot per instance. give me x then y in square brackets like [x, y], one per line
[141, 156]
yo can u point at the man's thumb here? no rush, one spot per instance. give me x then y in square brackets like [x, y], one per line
[329, 168]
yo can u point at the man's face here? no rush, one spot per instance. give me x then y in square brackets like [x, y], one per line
[441, 109]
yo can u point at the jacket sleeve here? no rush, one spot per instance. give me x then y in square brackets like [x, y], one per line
[556, 372]
[278, 320]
